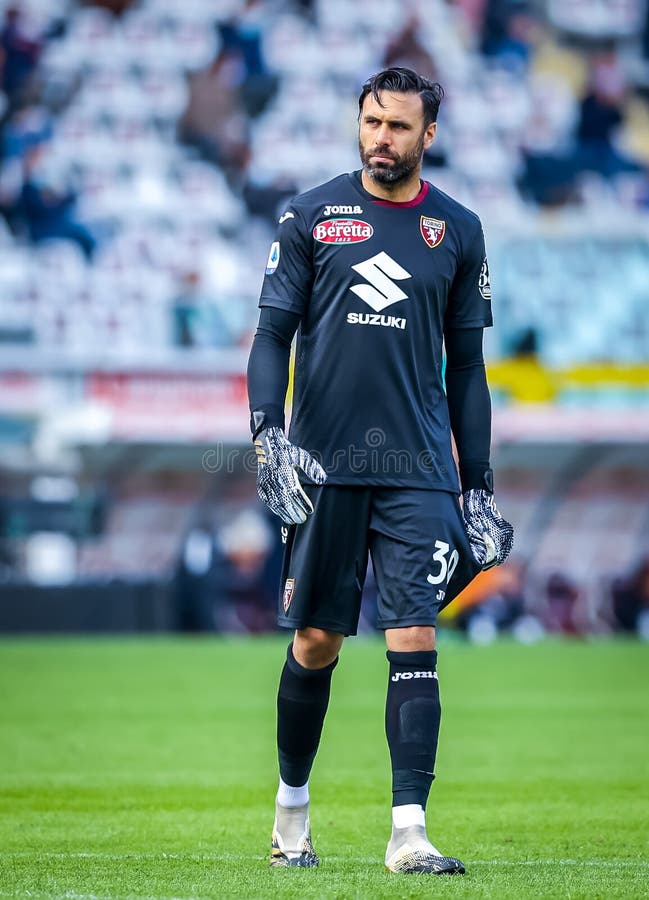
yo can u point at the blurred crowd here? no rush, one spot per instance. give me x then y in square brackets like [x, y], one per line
[147, 147]
[228, 579]
[592, 121]
[34, 206]
[146, 150]
[529, 607]
[580, 565]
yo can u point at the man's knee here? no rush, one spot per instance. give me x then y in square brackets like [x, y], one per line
[411, 639]
[315, 648]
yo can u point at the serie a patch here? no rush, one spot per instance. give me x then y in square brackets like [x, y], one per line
[289, 589]
[273, 258]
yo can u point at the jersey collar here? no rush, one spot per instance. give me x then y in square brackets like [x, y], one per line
[378, 201]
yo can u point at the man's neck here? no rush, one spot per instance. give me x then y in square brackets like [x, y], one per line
[402, 192]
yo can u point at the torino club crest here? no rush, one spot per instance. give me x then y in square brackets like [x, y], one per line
[289, 587]
[432, 230]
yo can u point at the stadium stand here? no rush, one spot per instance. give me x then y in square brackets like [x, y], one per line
[147, 148]
[110, 94]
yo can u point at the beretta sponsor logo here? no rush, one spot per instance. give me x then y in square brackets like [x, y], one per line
[342, 231]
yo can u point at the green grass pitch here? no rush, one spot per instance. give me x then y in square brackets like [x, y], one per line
[145, 768]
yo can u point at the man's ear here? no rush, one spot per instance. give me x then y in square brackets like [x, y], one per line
[429, 134]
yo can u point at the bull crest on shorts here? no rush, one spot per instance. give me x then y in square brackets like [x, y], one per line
[432, 230]
[289, 587]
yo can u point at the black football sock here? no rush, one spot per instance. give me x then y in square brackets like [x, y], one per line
[412, 717]
[302, 702]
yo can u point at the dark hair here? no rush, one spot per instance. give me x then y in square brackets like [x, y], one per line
[404, 81]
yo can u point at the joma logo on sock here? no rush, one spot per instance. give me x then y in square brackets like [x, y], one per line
[406, 676]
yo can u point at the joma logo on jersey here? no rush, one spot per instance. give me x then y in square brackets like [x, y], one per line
[342, 211]
[342, 231]
[376, 319]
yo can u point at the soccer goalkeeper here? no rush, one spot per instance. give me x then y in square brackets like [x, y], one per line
[374, 270]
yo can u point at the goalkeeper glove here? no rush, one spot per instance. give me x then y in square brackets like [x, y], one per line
[491, 537]
[278, 485]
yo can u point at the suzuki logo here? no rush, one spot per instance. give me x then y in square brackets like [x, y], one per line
[381, 291]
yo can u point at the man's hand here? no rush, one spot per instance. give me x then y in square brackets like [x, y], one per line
[491, 537]
[278, 485]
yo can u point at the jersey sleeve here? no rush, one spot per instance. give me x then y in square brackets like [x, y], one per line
[469, 302]
[289, 269]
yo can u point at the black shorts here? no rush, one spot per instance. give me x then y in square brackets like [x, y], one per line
[420, 554]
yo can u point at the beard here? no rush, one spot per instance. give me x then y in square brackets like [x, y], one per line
[401, 168]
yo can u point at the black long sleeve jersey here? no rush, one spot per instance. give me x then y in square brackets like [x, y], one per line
[376, 285]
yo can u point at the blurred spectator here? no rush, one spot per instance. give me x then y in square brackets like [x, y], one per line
[509, 33]
[214, 121]
[549, 180]
[406, 49]
[194, 580]
[552, 176]
[46, 206]
[525, 343]
[227, 575]
[197, 320]
[28, 126]
[601, 115]
[244, 547]
[562, 598]
[21, 47]
[117, 7]
[631, 600]
[474, 12]
[268, 200]
[496, 604]
[20, 53]
[307, 9]
[242, 38]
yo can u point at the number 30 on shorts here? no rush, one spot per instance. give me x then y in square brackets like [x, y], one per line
[446, 566]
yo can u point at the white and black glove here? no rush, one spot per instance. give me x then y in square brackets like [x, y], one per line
[278, 485]
[491, 537]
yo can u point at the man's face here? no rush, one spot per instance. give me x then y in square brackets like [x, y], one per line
[392, 137]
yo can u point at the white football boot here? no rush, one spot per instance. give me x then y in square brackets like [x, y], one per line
[410, 852]
[291, 843]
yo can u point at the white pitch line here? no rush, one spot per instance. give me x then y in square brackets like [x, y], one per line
[69, 895]
[606, 863]
[229, 857]
[197, 857]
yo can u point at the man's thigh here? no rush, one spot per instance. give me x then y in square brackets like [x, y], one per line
[420, 552]
[325, 561]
